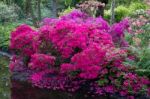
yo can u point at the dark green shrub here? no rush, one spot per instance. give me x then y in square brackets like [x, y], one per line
[143, 72]
[8, 13]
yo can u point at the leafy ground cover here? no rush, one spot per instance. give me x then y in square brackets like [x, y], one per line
[4, 78]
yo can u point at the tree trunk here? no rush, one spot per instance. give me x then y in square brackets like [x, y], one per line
[100, 10]
[39, 10]
[34, 19]
[27, 7]
[112, 20]
[54, 8]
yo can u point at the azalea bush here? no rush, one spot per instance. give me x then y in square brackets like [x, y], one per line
[76, 53]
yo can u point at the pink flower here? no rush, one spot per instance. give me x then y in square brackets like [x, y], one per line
[126, 83]
[118, 32]
[23, 39]
[36, 77]
[94, 55]
[109, 89]
[67, 68]
[91, 72]
[41, 61]
[130, 97]
[123, 93]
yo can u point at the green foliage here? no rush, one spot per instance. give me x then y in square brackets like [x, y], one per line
[45, 12]
[142, 63]
[68, 2]
[139, 12]
[142, 58]
[102, 82]
[121, 12]
[4, 35]
[124, 2]
[139, 39]
[7, 13]
[5, 30]
[107, 14]
[4, 78]
[125, 9]
[143, 72]
[136, 6]
[143, 37]
[66, 11]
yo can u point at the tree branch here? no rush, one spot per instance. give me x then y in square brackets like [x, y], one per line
[5, 54]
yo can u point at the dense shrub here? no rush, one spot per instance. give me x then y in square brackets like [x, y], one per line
[143, 72]
[107, 15]
[139, 28]
[141, 56]
[5, 35]
[121, 11]
[75, 52]
[139, 38]
[137, 5]
[8, 13]
[5, 30]
[139, 12]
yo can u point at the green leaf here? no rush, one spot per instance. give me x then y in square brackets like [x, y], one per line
[102, 82]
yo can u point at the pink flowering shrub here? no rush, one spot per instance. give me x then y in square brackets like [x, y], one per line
[75, 53]
[23, 40]
[118, 32]
[41, 61]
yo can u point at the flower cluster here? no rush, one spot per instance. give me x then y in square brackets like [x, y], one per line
[41, 61]
[23, 40]
[77, 17]
[76, 52]
[90, 7]
[118, 32]
[68, 36]
[139, 28]
[88, 62]
[132, 84]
